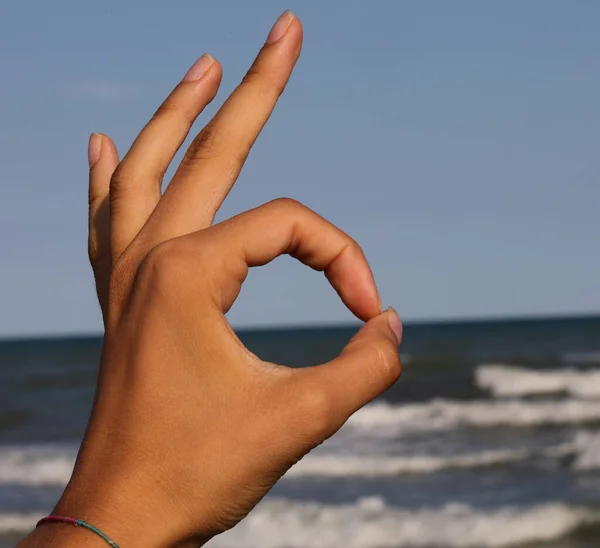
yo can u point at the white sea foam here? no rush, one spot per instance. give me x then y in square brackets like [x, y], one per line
[52, 465]
[42, 466]
[18, 523]
[371, 466]
[37, 464]
[383, 419]
[588, 451]
[370, 523]
[505, 380]
[47, 466]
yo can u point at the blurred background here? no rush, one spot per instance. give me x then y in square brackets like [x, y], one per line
[457, 142]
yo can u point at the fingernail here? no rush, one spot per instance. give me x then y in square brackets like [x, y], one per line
[280, 27]
[199, 68]
[94, 145]
[395, 324]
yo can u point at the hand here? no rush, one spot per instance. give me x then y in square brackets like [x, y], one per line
[189, 429]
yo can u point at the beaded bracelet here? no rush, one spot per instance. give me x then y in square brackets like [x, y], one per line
[78, 523]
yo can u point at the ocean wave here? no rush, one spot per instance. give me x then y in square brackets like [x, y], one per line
[383, 419]
[18, 523]
[370, 523]
[52, 466]
[371, 466]
[37, 464]
[505, 380]
[587, 446]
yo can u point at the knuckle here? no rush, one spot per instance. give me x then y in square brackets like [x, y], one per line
[163, 265]
[352, 246]
[316, 412]
[132, 177]
[122, 179]
[206, 142]
[355, 249]
[93, 252]
[95, 197]
[386, 361]
[173, 108]
[97, 229]
[167, 109]
[265, 82]
[287, 205]
[207, 145]
[123, 270]
[122, 273]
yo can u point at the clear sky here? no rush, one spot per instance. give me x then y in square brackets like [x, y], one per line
[458, 142]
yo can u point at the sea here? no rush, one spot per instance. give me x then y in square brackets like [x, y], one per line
[491, 438]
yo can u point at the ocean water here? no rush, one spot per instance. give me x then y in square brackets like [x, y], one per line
[490, 439]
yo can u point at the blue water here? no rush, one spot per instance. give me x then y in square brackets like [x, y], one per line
[491, 438]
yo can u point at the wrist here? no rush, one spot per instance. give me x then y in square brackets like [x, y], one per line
[131, 517]
[125, 492]
[63, 535]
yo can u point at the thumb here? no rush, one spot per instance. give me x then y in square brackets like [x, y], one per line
[368, 365]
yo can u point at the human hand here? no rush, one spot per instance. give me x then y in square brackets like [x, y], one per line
[189, 429]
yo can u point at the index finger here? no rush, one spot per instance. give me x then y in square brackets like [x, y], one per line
[284, 226]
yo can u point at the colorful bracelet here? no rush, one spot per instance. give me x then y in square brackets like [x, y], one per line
[78, 523]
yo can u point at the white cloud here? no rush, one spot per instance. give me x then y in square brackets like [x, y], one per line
[102, 90]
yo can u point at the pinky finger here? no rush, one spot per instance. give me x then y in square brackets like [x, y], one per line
[103, 159]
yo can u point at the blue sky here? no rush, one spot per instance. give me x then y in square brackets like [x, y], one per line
[456, 141]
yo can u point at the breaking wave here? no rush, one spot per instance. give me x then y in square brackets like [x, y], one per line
[47, 466]
[442, 414]
[505, 380]
[370, 523]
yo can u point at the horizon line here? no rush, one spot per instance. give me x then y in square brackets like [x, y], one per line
[451, 320]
